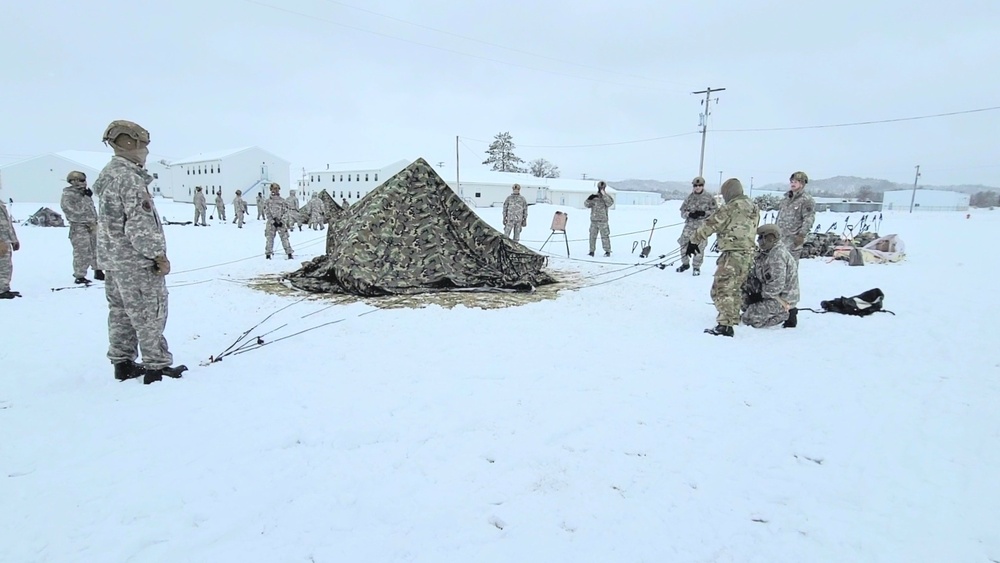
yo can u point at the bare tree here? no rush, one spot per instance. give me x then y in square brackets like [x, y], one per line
[541, 168]
[865, 193]
[501, 155]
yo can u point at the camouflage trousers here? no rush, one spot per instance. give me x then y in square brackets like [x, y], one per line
[689, 228]
[768, 312]
[221, 210]
[260, 212]
[83, 237]
[239, 219]
[603, 228]
[514, 227]
[316, 222]
[730, 272]
[199, 213]
[6, 266]
[269, 231]
[137, 315]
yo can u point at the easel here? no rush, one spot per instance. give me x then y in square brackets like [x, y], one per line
[558, 226]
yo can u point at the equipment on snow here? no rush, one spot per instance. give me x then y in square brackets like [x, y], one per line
[647, 245]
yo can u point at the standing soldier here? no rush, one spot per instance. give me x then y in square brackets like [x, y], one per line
[796, 214]
[771, 291]
[734, 224]
[293, 210]
[199, 206]
[8, 243]
[260, 205]
[316, 212]
[696, 208]
[599, 204]
[344, 203]
[239, 208]
[515, 213]
[276, 213]
[132, 250]
[77, 204]
[220, 206]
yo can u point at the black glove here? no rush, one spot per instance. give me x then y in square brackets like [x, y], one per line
[692, 249]
[696, 215]
[754, 298]
[88, 192]
[592, 196]
[277, 224]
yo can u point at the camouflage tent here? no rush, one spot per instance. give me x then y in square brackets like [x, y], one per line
[45, 217]
[333, 211]
[413, 234]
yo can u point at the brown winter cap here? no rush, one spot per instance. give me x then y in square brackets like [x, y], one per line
[731, 188]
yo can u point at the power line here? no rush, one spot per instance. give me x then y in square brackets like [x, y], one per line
[491, 44]
[856, 123]
[445, 49]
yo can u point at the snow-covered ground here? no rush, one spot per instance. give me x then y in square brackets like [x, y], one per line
[601, 426]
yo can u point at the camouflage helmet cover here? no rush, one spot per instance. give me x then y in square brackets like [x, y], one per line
[799, 177]
[275, 187]
[76, 175]
[769, 229]
[120, 127]
[698, 181]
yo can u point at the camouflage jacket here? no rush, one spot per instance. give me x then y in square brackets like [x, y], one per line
[314, 208]
[7, 233]
[599, 207]
[778, 273]
[515, 209]
[219, 203]
[276, 209]
[293, 202]
[698, 202]
[199, 201]
[735, 225]
[796, 216]
[239, 205]
[129, 232]
[77, 206]
[260, 200]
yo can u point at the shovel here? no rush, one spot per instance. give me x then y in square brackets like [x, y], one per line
[648, 247]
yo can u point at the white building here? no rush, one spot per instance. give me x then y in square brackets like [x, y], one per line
[638, 198]
[41, 179]
[249, 169]
[926, 200]
[351, 183]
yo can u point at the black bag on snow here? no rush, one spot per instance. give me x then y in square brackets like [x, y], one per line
[861, 305]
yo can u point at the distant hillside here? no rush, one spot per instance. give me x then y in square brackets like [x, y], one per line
[838, 185]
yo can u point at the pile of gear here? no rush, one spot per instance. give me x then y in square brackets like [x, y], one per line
[819, 245]
[45, 217]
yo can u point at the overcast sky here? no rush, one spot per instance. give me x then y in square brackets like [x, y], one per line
[327, 82]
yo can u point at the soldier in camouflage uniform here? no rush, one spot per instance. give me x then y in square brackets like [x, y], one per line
[132, 250]
[599, 204]
[344, 203]
[200, 206]
[515, 213]
[796, 214]
[317, 211]
[8, 244]
[77, 204]
[292, 217]
[734, 224]
[260, 205]
[697, 206]
[771, 292]
[220, 206]
[276, 217]
[239, 208]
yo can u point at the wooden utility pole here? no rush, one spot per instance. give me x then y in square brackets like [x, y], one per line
[913, 197]
[704, 122]
[458, 184]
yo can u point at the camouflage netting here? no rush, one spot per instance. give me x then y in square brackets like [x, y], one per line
[45, 217]
[413, 234]
[819, 245]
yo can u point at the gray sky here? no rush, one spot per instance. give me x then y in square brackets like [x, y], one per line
[327, 82]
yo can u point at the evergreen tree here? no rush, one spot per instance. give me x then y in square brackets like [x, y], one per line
[501, 155]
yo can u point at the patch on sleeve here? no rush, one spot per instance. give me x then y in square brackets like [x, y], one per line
[767, 276]
[146, 206]
[809, 209]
